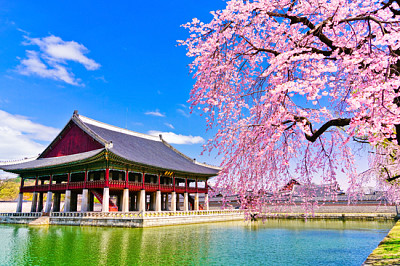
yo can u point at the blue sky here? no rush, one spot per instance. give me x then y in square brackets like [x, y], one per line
[115, 61]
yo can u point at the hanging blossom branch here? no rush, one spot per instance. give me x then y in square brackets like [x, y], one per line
[266, 71]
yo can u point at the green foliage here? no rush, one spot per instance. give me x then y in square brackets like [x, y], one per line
[9, 188]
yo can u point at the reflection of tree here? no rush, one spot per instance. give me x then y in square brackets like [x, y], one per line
[188, 244]
[216, 243]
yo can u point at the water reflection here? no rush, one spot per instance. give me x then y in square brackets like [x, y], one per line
[272, 242]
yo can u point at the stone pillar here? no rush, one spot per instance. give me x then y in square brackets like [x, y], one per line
[57, 202]
[74, 202]
[185, 202]
[178, 196]
[49, 201]
[91, 202]
[206, 205]
[166, 202]
[142, 200]
[132, 203]
[106, 200]
[20, 199]
[163, 208]
[67, 201]
[85, 200]
[173, 201]
[34, 202]
[125, 200]
[153, 201]
[158, 201]
[196, 201]
[40, 203]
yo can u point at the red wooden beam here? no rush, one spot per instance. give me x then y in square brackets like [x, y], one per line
[68, 180]
[50, 180]
[173, 182]
[36, 182]
[159, 182]
[86, 176]
[126, 178]
[143, 179]
[186, 185]
[107, 178]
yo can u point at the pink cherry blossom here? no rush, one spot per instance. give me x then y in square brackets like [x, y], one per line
[288, 85]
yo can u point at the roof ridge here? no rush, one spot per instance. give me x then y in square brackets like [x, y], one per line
[17, 161]
[93, 122]
[208, 165]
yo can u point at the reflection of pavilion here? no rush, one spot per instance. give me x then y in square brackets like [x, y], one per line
[124, 170]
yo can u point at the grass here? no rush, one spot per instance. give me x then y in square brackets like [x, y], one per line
[388, 251]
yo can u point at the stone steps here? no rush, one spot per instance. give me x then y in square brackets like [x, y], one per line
[43, 220]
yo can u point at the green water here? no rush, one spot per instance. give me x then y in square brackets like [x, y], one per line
[276, 242]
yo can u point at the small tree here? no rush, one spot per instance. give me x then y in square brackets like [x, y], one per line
[289, 83]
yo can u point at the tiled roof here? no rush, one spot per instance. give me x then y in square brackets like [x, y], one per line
[136, 147]
[145, 149]
[46, 162]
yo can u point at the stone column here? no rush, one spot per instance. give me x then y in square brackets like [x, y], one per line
[40, 203]
[34, 202]
[125, 200]
[185, 202]
[74, 202]
[142, 200]
[166, 202]
[196, 201]
[57, 201]
[20, 199]
[153, 201]
[173, 201]
[158, 201]
[91, 202]
[178, 208]
[85, 200]
[163, 208]
[67, 201]
[132, 203]
[106, 200]
[49, 201]
[206, 205]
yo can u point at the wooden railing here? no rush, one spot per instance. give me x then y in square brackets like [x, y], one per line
[134, 186]
[95, 184]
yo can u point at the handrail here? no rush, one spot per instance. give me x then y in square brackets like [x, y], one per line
[148, 214]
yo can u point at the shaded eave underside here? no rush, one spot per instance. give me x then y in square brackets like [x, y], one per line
[52, 163]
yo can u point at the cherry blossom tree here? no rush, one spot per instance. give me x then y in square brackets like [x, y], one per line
[287, 86]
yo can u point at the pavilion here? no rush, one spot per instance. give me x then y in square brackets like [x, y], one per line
[125, 170]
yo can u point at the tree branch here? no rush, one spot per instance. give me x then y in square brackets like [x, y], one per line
[338, 122]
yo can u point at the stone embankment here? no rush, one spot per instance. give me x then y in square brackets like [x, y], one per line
[388, 251]
[120, 219]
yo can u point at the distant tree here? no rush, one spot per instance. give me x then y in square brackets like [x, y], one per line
[9, 188]
[288, 83]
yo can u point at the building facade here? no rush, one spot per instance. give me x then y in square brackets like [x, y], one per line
[124, 170]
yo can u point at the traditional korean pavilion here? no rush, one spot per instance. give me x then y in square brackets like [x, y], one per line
[125, 170]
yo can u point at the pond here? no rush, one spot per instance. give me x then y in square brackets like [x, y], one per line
[275, 242]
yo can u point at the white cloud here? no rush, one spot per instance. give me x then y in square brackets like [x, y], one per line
[33, 65]
[173, 138]
[169, 125]
[183, 112]
[18, 136]
[52, 59]
[155, 113]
